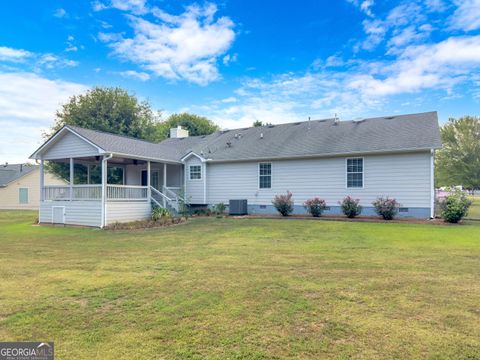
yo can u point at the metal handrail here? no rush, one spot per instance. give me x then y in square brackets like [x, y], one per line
[160, 193]
[173, 193]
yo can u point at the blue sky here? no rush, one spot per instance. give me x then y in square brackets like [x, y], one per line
[237, 61]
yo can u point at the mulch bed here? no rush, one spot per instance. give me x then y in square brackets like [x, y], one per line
[146, 224]
[369, 219]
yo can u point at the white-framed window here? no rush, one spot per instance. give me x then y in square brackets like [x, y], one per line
[264, 175]
[355, 173]
[195, 172]
[23, 195]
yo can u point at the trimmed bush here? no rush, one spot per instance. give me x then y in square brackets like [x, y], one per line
[350, 207]
[159, 213]
[283, 203]
[455, 207]
[315, 206]
[386, 207]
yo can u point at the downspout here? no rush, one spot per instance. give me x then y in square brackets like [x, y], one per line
[104, 189]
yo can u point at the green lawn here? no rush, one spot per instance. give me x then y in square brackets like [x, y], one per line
[243, 289]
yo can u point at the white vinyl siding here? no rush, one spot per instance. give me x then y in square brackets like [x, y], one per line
[405, 177]
[87, 213]
[69, 145]
[127, 211]
[194, 190]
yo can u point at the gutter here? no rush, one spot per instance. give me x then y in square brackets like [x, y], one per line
[316, 156]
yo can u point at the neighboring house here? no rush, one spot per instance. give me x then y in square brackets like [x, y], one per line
[19, 186]
[386, 156]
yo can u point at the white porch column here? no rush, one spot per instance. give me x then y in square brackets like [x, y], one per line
[42, 181]
[164, 182]
[104, 190]
[432, 183]
[88, 173]
[205, 183]
[149, 190]
[71, 178]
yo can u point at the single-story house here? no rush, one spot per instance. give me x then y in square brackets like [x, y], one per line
[384, 156]
[19, 186]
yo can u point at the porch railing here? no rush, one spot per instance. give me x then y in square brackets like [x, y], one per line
[94, 193]
[127, 192]
[78, 192]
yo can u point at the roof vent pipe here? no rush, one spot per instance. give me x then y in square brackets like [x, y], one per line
[261, 135]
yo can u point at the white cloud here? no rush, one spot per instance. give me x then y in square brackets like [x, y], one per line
[365, 6]
[407, 36]
[467, 16]
[135, 6]
[142, 76]
[228, 59]
[71, 47]
[98, 6]
[230, 99]
[51, 61]
[60, 13]
[35, 61]
[180, 47]
[14, 55]
[435, 5]
[404, 24]
[28, 102]
[375, 29]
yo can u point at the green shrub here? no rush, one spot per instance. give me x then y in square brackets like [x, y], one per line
[159, 213]
[386, 207]
[283, 203]
[315, 206]
[220, 208]
[350, 207]
[455, 207]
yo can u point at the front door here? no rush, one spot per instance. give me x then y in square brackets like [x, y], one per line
[154, 178]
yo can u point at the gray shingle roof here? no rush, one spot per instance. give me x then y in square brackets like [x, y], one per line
[303, 139]
[13, 172]
[125, 145]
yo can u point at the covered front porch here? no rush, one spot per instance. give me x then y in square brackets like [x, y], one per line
[106, 189]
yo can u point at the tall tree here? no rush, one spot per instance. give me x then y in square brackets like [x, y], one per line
[196, 125]
[258, 123]
[458, 162]
[109, 109]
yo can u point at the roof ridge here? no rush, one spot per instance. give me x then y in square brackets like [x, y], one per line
[384, 117]
[113, 134]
